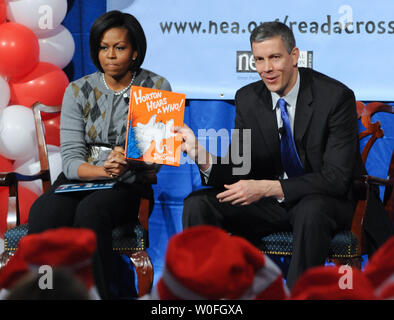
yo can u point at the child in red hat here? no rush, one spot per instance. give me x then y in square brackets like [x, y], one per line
[380, 270]
[205, 262]
[69, 249]
[332, 283]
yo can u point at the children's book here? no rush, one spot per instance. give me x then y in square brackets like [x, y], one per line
[152, 115]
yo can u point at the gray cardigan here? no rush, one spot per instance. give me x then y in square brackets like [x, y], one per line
[90, 115]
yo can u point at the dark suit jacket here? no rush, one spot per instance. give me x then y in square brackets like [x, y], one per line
[326, 137]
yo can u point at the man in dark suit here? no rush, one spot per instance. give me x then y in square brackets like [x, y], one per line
[297, 129]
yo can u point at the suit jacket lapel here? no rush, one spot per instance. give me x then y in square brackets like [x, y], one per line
[267, 123]
[304, 111]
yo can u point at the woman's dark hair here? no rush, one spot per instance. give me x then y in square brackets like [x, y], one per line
[117, 19]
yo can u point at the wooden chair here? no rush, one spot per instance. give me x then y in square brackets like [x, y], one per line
[347, 247]
[127, 239]
[365, 113]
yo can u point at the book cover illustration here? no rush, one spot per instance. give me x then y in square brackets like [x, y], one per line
[152, 115]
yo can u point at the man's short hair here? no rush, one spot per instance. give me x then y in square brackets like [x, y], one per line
[268, 30]
[118, 19]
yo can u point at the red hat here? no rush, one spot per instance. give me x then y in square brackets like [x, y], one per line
[332, 283]
[380, 268]
[387, 292]
[13, 271]
[69, 248]
[205, 262]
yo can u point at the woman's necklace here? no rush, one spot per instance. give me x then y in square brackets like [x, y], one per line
[118, 93]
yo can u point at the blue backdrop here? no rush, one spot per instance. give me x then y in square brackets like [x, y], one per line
[175, 183]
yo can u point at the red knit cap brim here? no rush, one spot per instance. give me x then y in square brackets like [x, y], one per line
[332, 283]
[206, 262]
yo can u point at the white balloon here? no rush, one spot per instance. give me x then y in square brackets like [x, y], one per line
[32, 166]
[38, 15]
[57, 47]
[17, 133]
[4, 94]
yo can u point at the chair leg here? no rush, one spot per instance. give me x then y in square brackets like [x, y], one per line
[356, 262]
[4, 257]
[144, 269]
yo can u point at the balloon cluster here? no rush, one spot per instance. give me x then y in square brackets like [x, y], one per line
[34, 48]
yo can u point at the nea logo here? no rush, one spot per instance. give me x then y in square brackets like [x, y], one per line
[245, 61]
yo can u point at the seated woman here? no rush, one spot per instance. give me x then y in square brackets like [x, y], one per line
[93, 133]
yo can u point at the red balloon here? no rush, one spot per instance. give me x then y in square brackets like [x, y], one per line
[3, 11]
[45, 83]
[19, 49]
[52, 130]
[6, 164]
[26, 199]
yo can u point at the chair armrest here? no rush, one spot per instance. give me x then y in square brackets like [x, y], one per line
[388, 198]
[11, 180]
[8, 178]
[378, 181]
